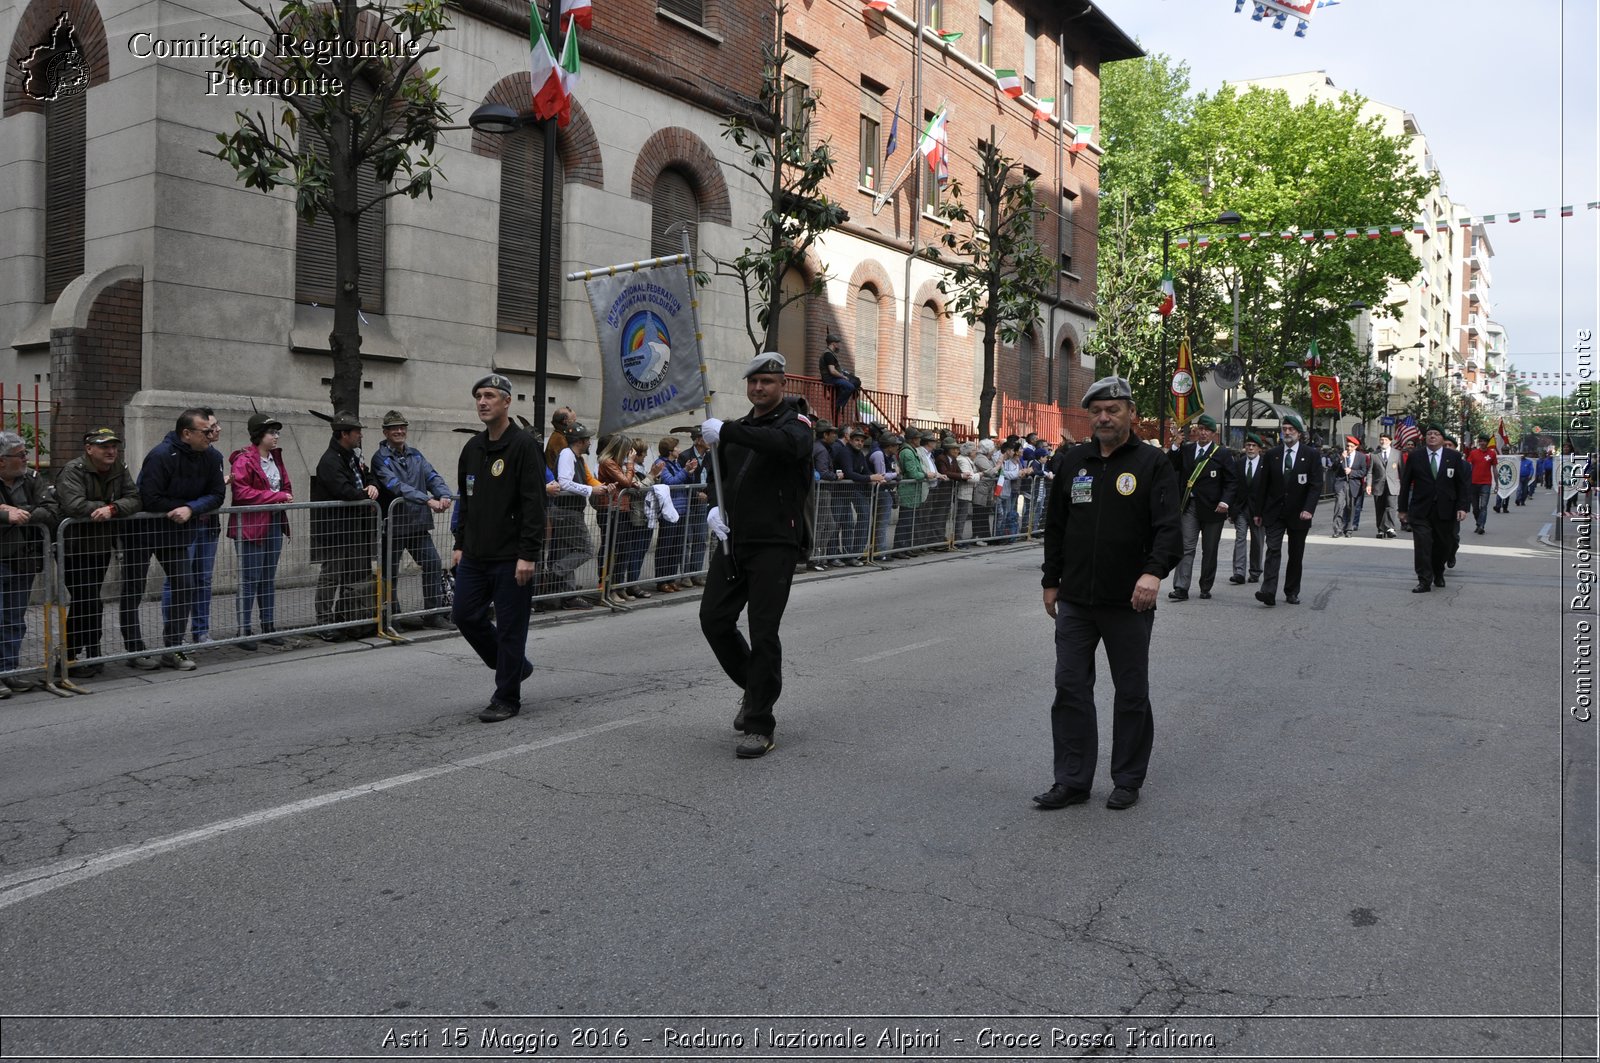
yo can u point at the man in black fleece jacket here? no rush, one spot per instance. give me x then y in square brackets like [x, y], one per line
[499, 537]
[177, 483]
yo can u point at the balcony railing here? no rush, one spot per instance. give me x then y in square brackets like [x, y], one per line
[868, 404]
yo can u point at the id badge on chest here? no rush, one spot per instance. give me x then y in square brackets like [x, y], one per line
[1082, 489]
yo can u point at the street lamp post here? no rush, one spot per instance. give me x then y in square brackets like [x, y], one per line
[1227, 217]
[501, 120]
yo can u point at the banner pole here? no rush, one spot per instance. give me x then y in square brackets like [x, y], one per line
[705, 387]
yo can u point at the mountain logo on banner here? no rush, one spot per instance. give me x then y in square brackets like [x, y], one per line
[646, 351]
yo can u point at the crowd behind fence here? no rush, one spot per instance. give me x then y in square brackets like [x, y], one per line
[144, 591]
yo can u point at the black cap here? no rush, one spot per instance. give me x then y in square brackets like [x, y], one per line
[260, 422]
[576, 431]
[344, 421]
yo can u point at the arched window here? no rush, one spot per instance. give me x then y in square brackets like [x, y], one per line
[315, 265]
[672, 200]
[792, 320]
[928, 362]
[1064, 362]
[1025, 368]
[521, 205]
[866, 347]
[64, 189]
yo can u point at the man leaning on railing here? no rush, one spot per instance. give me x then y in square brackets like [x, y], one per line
[95, 488]
[24, 500]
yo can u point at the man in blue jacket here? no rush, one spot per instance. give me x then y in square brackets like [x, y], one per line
[177, 484]
[411, 492]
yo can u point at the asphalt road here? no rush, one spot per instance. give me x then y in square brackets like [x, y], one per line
[1351, 841]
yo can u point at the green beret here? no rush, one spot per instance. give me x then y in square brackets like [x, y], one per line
[1251, 437]
[1294, 420]
[1205, 420]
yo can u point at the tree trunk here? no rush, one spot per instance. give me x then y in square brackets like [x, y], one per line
[345, 340]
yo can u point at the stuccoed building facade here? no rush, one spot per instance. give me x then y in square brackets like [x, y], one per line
[138, 276]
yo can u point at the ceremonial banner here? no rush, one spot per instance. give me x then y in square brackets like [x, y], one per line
[1325, 393]
[1571, 474]
[1185, 401]
[650, 363]
[1507, 469]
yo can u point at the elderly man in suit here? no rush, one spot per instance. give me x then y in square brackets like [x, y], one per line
[1206, 480]
[1349, 471]
[1246, 531]
[1435, 492]
[1284, 501]
[1383, 483]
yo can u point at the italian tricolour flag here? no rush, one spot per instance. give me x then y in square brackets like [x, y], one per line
[552, 82]
[1080, 137]
[578, 11]
[1010, 83]
[935, 144]
[1169, 296]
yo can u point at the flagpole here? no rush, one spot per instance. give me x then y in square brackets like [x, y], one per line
[1061, 225]
[541, 341]
[705, 385]
[916, 213]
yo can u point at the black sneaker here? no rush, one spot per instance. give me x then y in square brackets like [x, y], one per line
[494, 712]
[738, 720]
[754, 745]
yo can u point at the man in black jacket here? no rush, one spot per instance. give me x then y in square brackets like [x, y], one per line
[766, 481]
[343, 538]
[1110, 537]
[1284, 502]
[1207, 495]
[499, 538]
[1435, 493]
[178, 483]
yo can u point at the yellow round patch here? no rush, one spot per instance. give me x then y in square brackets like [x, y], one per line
[1127, 484]
[498, 467]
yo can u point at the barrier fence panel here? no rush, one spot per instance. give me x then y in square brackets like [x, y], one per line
[417, 543]
[652, 548]
[569, 577]
[841, 522]
[29, 628]
[246, 575]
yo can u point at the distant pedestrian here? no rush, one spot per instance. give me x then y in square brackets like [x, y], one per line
[1383, 483]
[1111, 536]
[1434, 493]
[1207, 493]
[571, 548]
[1349, 472]
[1247, 534]
[260, 478]
[499, 539]
[412, 495]
[95, 488]
[1482, 460]
[1285, 501]
[27, 512]
[202, 552]
[343, 538]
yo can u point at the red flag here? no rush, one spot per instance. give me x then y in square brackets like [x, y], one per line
[1325, 393]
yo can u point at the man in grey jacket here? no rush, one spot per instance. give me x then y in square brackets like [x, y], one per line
[410, 491]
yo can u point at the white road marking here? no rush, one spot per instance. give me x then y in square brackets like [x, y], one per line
[22, 885]
[895, 653]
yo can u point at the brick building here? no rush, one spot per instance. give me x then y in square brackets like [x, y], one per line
[865, 66]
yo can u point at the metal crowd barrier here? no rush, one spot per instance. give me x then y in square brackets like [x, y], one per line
[639, 559]
[842, 521]
[225, 580]
[29, 616]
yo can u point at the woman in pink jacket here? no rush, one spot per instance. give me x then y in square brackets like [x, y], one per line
[259, 479]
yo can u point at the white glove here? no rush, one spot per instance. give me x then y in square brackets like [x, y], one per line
[711, 431]
[714, 521]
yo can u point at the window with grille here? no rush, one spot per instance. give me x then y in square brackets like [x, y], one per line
[1069, 63]
[928, 360]
[1025, 368]
[64, 182]
[316, 278]
[986, 32]
[1064, 374]
[1030, 54]
[689, 10]
[521, 206]
[1069, 224]
[869, 143]
[672, 201]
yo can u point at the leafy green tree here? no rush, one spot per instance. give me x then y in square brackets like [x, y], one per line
[391, 131]
[998, 271]
[775, 136]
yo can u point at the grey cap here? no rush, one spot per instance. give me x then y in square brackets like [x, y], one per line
[1110, 387]
[496, 381]
[344, 421]
[765, 362]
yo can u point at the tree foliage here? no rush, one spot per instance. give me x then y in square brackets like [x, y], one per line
[391, 132]
[1308, 168]
[775, 137]
[998, 271]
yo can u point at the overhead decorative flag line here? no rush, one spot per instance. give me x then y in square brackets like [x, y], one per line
[1312, 234]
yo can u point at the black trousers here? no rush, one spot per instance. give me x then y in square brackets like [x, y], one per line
[1073, 728]
[85, 573]
[764, 575]
[1297, 552]
[1433, 542]
[501, 644]
[1385, 503]
[170, 547]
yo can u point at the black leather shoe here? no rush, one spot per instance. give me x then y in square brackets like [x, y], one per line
[1205, 594]
[1059, 796]
[1121, 798]
[1178, 596]
[1438, 581]
[1421, 588]
[1265, 599]
[1292, 599]
[495, 712]
[1235, 579]
[1450, 563]
[1254, 579]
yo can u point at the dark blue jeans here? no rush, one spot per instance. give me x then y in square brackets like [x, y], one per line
[15, 586]
[503, 642]
[1480, 503]
[258, 578]
[202, 564]
[418, 542]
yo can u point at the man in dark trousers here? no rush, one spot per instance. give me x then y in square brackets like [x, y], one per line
[1110, 537]
[1285, 500]
[343, 538]
[499, 537]
[1206, 496]
[1349, 470]
[1435, 491]
[765, 459]
[1383, 483]
[1246, 532]
[833, 374]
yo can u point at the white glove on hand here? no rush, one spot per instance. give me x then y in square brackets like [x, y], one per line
[711, 431]
[714, 521]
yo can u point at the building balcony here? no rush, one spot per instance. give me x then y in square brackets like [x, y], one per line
[1480, 264]
[1478, 299]
[1475, 324]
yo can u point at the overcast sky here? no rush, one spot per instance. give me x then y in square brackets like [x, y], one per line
[1505, 94]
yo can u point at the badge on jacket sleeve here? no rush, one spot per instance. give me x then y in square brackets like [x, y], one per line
[1127, 484]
